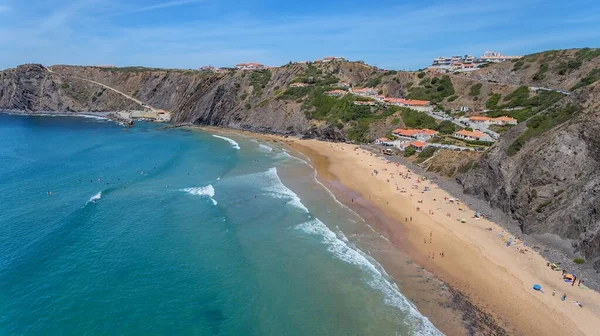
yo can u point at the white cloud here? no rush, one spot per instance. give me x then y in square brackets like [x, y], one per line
[168, 4]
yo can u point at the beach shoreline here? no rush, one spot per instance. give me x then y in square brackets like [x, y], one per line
[494, 278]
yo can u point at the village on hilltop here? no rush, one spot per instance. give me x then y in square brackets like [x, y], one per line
[473, 132]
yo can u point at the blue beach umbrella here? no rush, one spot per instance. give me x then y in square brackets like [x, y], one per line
[537, 287]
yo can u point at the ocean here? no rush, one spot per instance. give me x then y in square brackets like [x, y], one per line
[172, 231]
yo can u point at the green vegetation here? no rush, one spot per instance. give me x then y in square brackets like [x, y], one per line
[313, 75]
[530, 106]
[518, 64]
[541, 74]
[416, 119]
[293, 93]
[566, 67]
[517, 97]
[409, 151]
[358, 132]
[395, 121]
[374, 81]
[500, 129]
[541, 123]
[421, 75]
[475, 90]
[452, 98]
[446, 127]
[579, 261]
[587, 54]
[591, 78]
[543, 205]
[466, 167]
[493, 101]
[64, 86]
[434, 89]
[259, 80]
[427, 153]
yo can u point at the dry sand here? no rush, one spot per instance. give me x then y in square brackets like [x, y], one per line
[497, 278]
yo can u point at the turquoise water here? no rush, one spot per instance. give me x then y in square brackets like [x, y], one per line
[151, 231]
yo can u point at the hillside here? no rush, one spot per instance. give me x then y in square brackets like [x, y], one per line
[541, 171]
[556, 69]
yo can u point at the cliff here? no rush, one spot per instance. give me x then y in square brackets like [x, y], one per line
[551, 184]
[31, 87]
[541, 172]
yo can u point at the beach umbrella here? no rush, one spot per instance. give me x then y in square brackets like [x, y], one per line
[537, 287]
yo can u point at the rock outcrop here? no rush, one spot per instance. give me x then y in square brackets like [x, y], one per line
[552, 184]
[31, 87]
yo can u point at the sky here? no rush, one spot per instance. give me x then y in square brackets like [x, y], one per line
[399, 34]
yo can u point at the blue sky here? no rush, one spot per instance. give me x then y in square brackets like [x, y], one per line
[191, 33]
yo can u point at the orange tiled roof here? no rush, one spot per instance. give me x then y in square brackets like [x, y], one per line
[479, 118]
[406, 132]
[474, 134]
[418, 143]
[383, 139]
[428, 131]
[505, 118]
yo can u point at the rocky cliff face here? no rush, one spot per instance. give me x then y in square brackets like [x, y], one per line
[552, 184]
[32, 87]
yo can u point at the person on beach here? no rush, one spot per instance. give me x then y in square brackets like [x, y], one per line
[563, 297]
[573, 283]
[553, 292]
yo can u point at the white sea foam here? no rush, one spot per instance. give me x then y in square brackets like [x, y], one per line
[279, 190]
[95, 198]
[207, 191]
[233, 143]
[284, 155]
[265, 148]
[339, 246]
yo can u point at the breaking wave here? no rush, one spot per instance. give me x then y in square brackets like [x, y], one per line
[340, 247]
[207, 191]
[279, 190]
[265, 148]
[95, 198]
[232, 142]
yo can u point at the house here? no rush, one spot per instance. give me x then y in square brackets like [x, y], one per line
[419, 105]
[105, 66]
[464, 109]
[419, 145]
[504, 120]
[417, 134]
[207, 68]
[299, 85]
[333, 58]
[369, 92]
[250, 66]
[473, 135]
[336, 93]
[384, 142]
[496, 57]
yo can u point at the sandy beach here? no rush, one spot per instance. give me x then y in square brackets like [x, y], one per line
[442, 235]
[476, 260]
